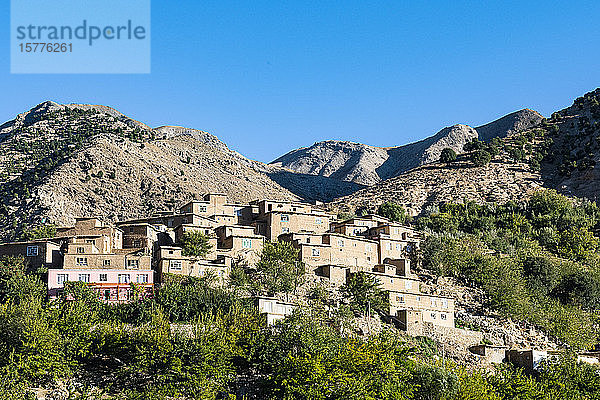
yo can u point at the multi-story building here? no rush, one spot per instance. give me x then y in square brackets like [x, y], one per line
[112, 285]
[170, 260]
[36, 253]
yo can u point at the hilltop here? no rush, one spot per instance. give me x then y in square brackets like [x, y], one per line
[58, 162]
[368, 165]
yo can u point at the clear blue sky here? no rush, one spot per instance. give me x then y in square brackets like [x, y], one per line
[267, 77]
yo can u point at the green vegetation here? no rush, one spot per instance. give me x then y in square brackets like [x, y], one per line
[40, 232]
[195, 244]
[363, 291]
[277, 271]
[538, 261]
[193, 341]
[448, 155]
[393, 212]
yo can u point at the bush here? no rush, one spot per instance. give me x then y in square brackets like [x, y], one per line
[448, 155]
[481, 158]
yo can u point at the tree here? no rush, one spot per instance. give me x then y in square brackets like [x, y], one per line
[580, 289]
[195, 244]
[393, 211]
[481, 157]
[448, 155]
[40, 232]
[362, 289]
[278, 270]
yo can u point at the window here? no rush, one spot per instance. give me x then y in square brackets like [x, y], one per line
[316, 252]
[175, 264]
[131, 229]
[409, 284]
[285, 218]
[124, 278]
[445, 303]
[170, 222]
[246, 243]
[202, 209]
[32, 251]
[82, 261]
[285, 230]
[369, 247]
[142, 278]
[398, 246]
[433, 302]
[400, 299]
[388, 246]
[133, 263]
[84, 278]
[432, 315]
[103, 277]
[91, 241]
[62, 278]
[239, 212]
[443, 316]
[318, 220]
[80, 250]
[184, 221]
[107, 294]
[340, 243]
[419, 299]
[170, 251]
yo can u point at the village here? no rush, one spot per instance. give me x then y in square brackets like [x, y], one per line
[115, 260]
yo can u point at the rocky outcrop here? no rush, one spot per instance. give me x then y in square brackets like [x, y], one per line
[509, 124]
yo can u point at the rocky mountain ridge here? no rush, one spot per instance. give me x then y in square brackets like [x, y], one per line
[368, 165]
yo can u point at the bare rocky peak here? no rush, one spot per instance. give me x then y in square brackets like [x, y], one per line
[509, 124]
[169, 132]
[368, 165]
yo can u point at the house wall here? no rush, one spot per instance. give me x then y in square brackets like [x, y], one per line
[113, 285]
[47, 253]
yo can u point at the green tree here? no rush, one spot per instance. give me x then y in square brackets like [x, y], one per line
[361, 290]
[195, 244]
[481, 157]
[278, 270]
[40, 232]
[448, 155]
[393, 212]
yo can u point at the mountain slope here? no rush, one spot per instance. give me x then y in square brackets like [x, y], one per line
[367, 165]
[58, 162]
[561, 153]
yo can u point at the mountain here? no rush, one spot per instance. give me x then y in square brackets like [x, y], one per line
[368, 165]
[58, 162]
[560, 153]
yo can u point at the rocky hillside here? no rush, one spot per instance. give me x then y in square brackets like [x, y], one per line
[58, 162]
[560, 153]
[428, 185]
[368, 165]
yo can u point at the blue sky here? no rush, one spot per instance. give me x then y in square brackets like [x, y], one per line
[267, 77]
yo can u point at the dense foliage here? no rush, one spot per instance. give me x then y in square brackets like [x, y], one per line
[537, 260]
[192, 341]
[195, 244]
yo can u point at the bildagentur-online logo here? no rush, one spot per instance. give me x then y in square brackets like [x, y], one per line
[84, 32]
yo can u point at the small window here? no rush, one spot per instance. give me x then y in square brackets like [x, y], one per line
[445, 303]
[443, 316]
[84, 278]
[124, 278]
[400, 299]
[316, 252]
[82, 261]
[103, 277]
[142, 278]
[32, 251]
[433, 302]
[340, 243]
[432, 315]
[285, 218]
[398, 246]
[202, 209]
[170, 251]
[285, 230]
[170, 222]
[409, 284]
[318, 220]
[388, 246]
[133, 263]
[91, 241]
[184, 221]
[80, 250]
[175, 264]
[131, 229]
[62, 278]
[246, 243]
